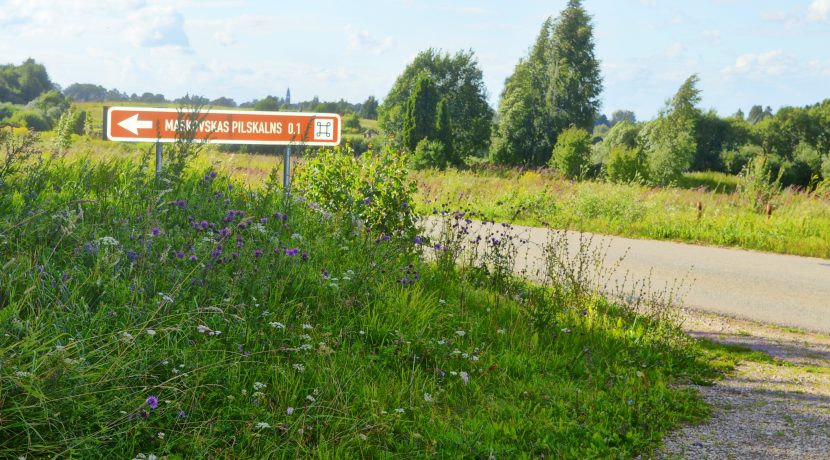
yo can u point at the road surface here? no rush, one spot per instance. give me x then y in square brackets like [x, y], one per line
[777, 289]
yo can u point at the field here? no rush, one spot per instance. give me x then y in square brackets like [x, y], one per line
[202, 317]
[703, 209]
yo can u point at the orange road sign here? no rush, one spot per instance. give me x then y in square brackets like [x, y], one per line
[147, 124]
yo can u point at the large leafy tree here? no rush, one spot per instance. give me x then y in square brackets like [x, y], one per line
[557, 86]
[669, 141]
[22, 84]
[457, 78]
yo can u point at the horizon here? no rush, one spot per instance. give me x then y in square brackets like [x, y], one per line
[770, 57]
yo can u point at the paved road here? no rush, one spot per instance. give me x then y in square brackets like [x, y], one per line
[772, 288]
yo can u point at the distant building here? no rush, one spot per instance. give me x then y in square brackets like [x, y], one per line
[288, 97]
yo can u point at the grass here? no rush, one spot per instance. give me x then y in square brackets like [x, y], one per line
[116, 291]
[799, 224]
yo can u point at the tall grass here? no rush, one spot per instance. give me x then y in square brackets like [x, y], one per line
[709, 213]
[204, 318]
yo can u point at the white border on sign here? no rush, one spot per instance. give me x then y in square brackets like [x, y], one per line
[226, 112]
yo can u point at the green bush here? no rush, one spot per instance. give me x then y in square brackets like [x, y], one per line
[35, 120]
[571, 152]
[757, 185]
[734, 161]
[626, 165]
[429, 154]
[623, 133]
[351, 123]
[374, 188]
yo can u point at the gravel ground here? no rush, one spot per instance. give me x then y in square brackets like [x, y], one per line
[777, 410]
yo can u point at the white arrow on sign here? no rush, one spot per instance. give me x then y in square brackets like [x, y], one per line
[133, 124]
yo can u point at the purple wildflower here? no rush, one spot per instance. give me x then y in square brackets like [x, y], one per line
[155, 231]
[180, 255]
[367, 200]
[182, 414]
[257, 253]
[325, 274]
[152, 401]
[213, 174]
[193, 258]
[225, 232]
[305, 255]
[291, 252]
[204, 224]
[263, 220]
[419, 240]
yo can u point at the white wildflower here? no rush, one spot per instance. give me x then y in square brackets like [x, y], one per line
[22, 374]
[297, 236]
[460, 333]
[465, 377]
[263, 425]
[151, 332]
[305, 347]
[501, 331]
[259, 386]
[160, 435]
[108, 241]
[289, 410]
[566, 330]
[299, 367]
[258, 395]
[277, 325]
[59, 348]
[427, 397]
[362, 332]
[307, 327]
[442, 301]
[399, 410]
[305, 337]
[126, 336]
[362, 436]
[259, 227]
[310, 398]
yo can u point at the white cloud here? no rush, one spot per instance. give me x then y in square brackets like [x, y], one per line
[363, 41]
[713, 35]
[771, 63]
[157, 26]
[819, 10]
[675, 49]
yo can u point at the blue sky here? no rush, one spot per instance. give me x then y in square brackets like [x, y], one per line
[746, 51]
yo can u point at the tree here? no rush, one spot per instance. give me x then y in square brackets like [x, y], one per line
[223, 102]
[669, 141]
[21, 84]
[268, 104]
[419, 118]
[456, 77]
[556, 86]
[757, 113]
[370, 108]
[443, 131]
[351, 122]
[713, 136]
[623, 134]
[571, 153]
[623, 115]
[85, 92]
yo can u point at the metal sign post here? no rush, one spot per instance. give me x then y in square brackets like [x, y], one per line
[158, 160]
[286, 169]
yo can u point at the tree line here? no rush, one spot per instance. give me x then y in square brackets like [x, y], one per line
[548, 116]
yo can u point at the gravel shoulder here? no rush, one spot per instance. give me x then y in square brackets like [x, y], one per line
[762, 410]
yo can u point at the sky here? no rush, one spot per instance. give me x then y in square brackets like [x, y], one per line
[746, 52]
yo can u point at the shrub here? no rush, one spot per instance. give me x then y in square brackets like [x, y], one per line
[623, 133]
[351, 123]
[625, 165]
[756, 184]
[571, 152]
[734, 161]
[430, 154]
[32, 119]
[374, 188]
